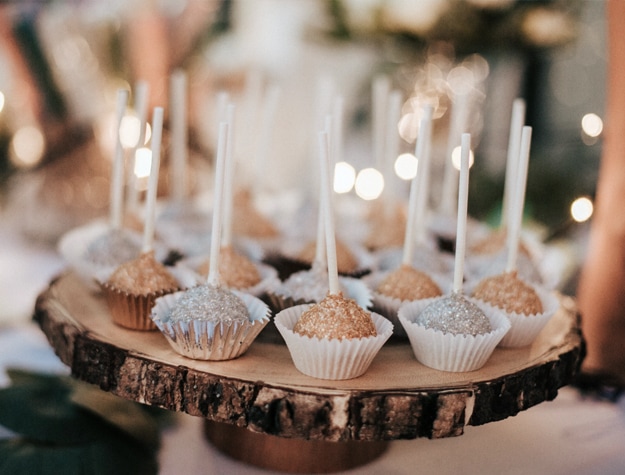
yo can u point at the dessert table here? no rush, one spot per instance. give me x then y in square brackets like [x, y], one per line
[572, 434]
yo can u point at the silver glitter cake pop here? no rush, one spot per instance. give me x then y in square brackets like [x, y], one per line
[454, 314]
[209, 303]
[114, 248]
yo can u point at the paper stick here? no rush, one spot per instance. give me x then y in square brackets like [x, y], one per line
[117, 179]
[213, 265]
[380, 90]
[391, 145]
[518, 200]
[178, 108]
[457, 126]
[150, 200]
[320, 247]
[463, 198]
[514, 143]
[423, 185]
[228, 194]
[141, 109]
[324, 159]
[411, 223]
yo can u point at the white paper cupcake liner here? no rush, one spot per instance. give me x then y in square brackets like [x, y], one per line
[525, 328]
[389, 306]
[446, 351]
[202, 340]
[331, 358]
[354, 289]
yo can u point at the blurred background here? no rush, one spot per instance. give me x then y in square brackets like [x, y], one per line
[63, 61]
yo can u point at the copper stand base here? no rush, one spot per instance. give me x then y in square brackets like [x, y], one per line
[291, 455]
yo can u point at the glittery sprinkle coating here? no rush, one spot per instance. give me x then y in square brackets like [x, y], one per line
[336, 317]
[345, 259]
[113, 248]
[408, 283]
[454, 314]
[235, 270]
[142, 276]
[209, 303]
[311, 285]
[510, 293]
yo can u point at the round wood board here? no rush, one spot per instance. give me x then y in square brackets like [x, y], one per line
[397, 398]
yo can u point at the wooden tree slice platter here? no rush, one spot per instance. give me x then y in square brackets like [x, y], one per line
[398, 398]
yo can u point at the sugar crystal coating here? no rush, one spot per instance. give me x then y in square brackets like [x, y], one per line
[310, 285]
[510, 293]
[336, 317]
[345, 260]
[408, 283]
[209, 303]
[113, 248]
[235, 270]
[143, 275]
[456, 315]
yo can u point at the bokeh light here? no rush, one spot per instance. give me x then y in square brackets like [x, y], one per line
[129, 131]
[592, 125]
[369, 184]
[1, 101]
[27, 146]
[581, 209]
[455, 158]
[406, 166]
[143, 162]
[344, 177]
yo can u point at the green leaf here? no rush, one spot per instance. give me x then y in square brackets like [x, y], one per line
[23, 457]
[126, 415]
[111, 456]
[43, 411]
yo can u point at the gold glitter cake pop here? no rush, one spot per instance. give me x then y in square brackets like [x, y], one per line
[345, 259]
[336, 317]
[408, 283]
[235, 270]
[142, 275]
[510, 293]
[456, 315]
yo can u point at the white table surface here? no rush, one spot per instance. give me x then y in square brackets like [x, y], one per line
[570, 435]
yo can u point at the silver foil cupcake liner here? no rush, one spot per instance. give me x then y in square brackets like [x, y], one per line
[202, 340]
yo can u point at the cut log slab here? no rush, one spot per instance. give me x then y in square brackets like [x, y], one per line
[398, 398]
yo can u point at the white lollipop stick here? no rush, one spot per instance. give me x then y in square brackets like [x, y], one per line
[391, 145]
[516, 217]
[457, 125]
[326, 202]
[413, 199]
[512, 159]
[228, 194]
[117, 180]
[178, 85]
[463, 198]
[213, 265]
[380, 90]
[423, 185]
[141, 109]
[320, 248]
[150, 215]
